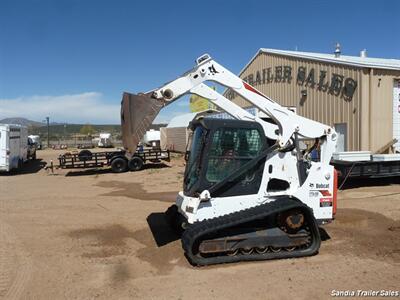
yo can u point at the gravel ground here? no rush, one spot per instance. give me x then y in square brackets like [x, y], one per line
[84, 235]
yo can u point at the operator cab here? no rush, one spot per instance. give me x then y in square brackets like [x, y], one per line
[219, 147]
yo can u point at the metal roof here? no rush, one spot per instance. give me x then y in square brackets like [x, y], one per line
[184, 119]
[363, 62]
[181, 120]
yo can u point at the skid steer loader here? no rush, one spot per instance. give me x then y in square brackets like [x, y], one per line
[249, 191]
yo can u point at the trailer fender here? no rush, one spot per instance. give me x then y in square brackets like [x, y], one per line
[115, 156]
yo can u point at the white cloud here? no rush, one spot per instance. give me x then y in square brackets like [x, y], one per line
[78, 108]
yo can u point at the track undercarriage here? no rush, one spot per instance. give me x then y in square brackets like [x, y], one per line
[283, 228]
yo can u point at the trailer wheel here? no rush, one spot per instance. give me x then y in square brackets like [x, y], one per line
[85, 155]
[119, 165]
[135, 164]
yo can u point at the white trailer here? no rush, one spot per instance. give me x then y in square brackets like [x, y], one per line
[152, 138]
[364, 164]
[13, 146]
[36, 139]
[104, 140]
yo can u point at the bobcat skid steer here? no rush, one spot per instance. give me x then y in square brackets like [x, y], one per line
[249, 191]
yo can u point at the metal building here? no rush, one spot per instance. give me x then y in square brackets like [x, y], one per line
[175, 136]
[358, 95]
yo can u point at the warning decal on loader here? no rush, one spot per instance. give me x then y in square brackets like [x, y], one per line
[325, 202]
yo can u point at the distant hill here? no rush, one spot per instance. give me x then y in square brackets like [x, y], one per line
[69, 129]
[63, 130]
[21, 121]
[58, 130]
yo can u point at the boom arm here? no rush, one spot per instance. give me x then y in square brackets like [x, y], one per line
[209, 70]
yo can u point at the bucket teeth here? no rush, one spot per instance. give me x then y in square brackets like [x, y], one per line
[137, 114]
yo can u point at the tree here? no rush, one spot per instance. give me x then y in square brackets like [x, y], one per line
[87, 129]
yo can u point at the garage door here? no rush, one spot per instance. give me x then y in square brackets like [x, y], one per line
[396, 114]
[341, 143]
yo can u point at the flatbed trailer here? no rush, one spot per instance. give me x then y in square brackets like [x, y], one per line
[366, 169]
[119, 160]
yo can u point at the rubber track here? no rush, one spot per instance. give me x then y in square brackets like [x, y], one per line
[195, 231]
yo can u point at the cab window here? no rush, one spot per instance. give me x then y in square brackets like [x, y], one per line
[230, 149]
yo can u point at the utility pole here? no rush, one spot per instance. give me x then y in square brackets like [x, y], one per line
[48, 131]
[65, 133]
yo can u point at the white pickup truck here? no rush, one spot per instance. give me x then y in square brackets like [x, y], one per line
[15, 148]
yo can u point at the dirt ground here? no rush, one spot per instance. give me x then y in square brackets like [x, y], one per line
[85, 235]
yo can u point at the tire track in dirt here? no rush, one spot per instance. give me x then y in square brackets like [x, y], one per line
[15, 264]
[7, 261]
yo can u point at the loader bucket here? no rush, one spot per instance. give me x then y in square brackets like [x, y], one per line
[137, 114]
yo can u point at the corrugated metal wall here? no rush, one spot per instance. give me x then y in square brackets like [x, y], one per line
[381, 107]
[318, 105]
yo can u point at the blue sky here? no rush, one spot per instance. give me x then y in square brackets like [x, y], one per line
[72, 60]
